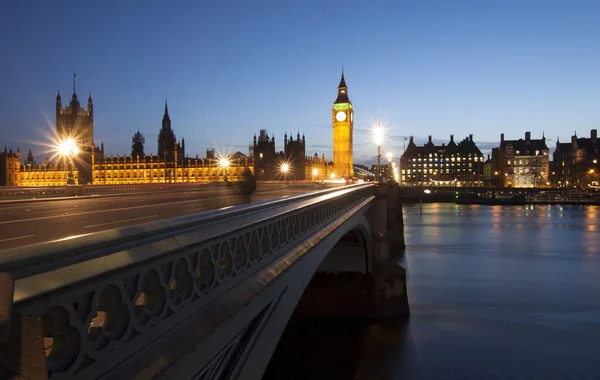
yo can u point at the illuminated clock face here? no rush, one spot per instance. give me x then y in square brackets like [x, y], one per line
[340, 116]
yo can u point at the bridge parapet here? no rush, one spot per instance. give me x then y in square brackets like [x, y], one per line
[105, 298]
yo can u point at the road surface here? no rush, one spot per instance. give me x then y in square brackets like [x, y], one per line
[35, 222]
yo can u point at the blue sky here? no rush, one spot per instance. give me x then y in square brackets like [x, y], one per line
[229, 69]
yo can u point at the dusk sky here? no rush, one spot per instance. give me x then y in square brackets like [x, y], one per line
[229, 69]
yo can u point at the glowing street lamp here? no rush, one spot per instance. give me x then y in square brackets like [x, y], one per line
[224, 162]
[68, 148]
[378, 134]
[285, 169]
[315, 174]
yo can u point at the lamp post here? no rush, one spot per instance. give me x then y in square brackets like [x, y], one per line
[378, 132]
[285, 168]
[68, 148]
[224, 164]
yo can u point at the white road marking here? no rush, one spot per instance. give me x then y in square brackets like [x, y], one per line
[120, 221]
[102, 211]
[199, 199]
[17, 238]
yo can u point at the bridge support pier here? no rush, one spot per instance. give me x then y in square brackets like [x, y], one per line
[374, 295]
[380, 292]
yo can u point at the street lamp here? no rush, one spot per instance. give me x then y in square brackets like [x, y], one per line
[285, 168]
[224, 164]
[68, 148]
[315, 174]
[378, 134]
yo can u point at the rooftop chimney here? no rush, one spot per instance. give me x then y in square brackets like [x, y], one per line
[471, 137]
[501, 138]
[429, 142]
[594, 135]
[527, 136]
[451, 138]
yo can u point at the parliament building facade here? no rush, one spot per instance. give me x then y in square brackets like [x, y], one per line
[89, 165]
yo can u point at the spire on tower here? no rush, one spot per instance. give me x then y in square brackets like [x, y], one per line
[342, 81]
[166, 108]
[74, 76]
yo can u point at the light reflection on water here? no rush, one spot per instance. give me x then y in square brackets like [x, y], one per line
[500, 292]
[505, 293]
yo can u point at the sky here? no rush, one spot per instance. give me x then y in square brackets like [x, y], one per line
[231, 68]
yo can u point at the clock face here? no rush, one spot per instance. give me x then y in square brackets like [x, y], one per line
[340, 116]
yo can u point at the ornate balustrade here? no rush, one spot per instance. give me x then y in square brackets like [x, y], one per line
[103, 297]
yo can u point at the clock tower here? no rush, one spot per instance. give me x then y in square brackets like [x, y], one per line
[343, 123]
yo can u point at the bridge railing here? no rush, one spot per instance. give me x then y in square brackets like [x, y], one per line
[104, 297]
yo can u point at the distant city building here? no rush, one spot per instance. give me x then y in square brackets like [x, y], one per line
[170, 165]
[386, 173]
[442, 165]
[524, 162]
[575, 164]
[289, 164]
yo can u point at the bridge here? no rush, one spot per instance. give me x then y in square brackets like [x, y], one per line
[202, 296]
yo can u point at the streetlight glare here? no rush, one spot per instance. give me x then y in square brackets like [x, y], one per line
[389, 155]
[285, 167]
[68, 147]
[315, 172]
[378, 134]
[224, 162]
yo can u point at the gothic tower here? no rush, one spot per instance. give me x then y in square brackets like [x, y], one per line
[75, 122]
[343, 122]
[167, 144]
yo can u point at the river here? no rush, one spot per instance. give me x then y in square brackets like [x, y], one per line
[496, 292]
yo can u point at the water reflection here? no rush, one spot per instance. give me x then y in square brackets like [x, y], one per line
[500, 292]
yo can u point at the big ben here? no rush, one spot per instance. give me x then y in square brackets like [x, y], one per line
[343, 123]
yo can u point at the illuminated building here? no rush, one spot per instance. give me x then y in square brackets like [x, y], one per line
[12, 173]
[575, 164]
[442, 165]
[523, 162]
[10, 163]
[76, 123]
[82, 162]
[170, 166]
[342, 116]
[269, 164]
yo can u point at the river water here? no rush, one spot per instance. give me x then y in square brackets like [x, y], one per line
[496, 292]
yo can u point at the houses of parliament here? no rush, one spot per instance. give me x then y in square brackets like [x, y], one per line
[86, 162]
